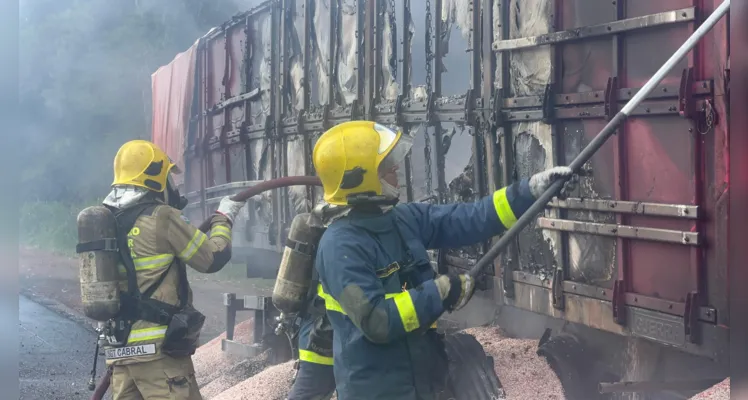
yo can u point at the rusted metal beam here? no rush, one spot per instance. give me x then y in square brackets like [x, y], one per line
[657, 386]
[360, 52]
[369, 70]
[251, 95]
[248, 156]
[705, 314]
[624, 231]
[274, 117]
[306, 100]
[625, 25]
[628, 207]
[331, 67]
[405, 85]
[510, 261]
[376, 77]
[662, 91]
[286, 106]
[441, 184]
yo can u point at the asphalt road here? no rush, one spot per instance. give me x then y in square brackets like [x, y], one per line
[55, 356]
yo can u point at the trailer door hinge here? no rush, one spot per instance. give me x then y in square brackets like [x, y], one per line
[549, 106]
[619, 302]
[469, 107]
[558, 289]
[611, 98]
[399, 121]
[497, 118]
[691, 317]
[685, 94]
[326, 117]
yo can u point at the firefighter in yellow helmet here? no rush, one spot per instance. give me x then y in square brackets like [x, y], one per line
[381, 294]
[156, 332]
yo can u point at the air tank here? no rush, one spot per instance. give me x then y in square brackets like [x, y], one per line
[295, 272]
[99, 277]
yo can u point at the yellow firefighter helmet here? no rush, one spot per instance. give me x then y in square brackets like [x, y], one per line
[142, 163]
[348, 156]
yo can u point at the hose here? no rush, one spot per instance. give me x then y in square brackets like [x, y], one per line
[265, 186]
[103, 385]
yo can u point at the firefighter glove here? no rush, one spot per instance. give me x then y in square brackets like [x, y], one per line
[541, 181]
[455, 290]
[230, 208]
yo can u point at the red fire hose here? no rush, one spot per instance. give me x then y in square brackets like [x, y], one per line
[103, 385]
[268, 185]
[287, 181]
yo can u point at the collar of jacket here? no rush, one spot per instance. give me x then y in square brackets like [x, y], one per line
[375, 221]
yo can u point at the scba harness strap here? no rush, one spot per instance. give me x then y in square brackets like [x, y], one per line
[135, 305]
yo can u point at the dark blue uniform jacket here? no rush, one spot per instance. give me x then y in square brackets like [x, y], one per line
[383, 346]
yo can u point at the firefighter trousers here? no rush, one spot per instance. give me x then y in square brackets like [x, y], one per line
[313, 382]
[168, 378]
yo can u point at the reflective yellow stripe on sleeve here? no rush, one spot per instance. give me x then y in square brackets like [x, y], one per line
[407, 310]
[403, 302]
[192, 246]
[312, 357]
[153, 262]
[503, 209]
[330, 303]
[141, 335]
[221, 230]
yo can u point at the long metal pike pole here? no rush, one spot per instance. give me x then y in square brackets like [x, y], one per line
[600, 139]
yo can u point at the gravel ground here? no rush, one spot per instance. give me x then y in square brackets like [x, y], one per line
[211, 362]
[523, 374]
[237, 374]
[273, 383]
[720, 391]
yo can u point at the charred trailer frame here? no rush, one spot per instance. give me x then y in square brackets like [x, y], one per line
[635, 260]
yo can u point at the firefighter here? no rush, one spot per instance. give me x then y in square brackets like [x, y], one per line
[314, 378]
[383, 346]
[158, 328]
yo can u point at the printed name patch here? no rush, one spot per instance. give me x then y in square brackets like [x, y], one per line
[130, 351]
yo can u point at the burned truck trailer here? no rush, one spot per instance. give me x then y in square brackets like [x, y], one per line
[630, 273]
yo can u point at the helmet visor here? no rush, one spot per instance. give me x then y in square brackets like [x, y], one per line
[397, 152]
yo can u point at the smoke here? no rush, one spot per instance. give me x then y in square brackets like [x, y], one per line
[85, 83]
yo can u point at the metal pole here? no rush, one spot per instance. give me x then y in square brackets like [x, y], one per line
[657, 386]
[600, 139]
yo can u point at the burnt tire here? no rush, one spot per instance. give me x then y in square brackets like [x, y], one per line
[471, 371]
[569, 360]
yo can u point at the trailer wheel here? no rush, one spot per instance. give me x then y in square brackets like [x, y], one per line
[471, 371]
[568, 358]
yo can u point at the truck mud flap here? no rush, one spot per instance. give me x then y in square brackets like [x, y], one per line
[471, 371]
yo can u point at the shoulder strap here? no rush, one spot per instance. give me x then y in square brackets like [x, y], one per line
[125, 221]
